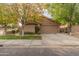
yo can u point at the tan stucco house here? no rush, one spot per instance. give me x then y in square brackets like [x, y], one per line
[47, 25]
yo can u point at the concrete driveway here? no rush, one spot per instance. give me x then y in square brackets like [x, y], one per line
[59, 39]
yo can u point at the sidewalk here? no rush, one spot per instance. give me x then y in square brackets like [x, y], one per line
[21, 42]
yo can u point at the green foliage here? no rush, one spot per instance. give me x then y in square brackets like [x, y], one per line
[10, 13]
[6, 15]
[65, 12]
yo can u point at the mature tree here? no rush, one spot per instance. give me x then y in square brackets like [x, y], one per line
[65, 13]
[28, 12]
[12, 13]
[6, 16]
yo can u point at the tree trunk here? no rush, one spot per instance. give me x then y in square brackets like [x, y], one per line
[22, 30]
[71, 17]
[5, 29]
[70, 28]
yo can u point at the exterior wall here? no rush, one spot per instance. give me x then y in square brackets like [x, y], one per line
[29, 28]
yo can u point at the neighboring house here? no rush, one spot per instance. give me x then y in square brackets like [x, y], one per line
[47, 25]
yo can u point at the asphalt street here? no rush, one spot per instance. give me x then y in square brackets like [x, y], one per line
[40, 51]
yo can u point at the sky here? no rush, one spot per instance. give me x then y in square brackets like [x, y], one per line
[46, 13]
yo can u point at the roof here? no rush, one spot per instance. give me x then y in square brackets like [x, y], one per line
[35, 23]
[50, 19]
[45, 15]
[32, 23]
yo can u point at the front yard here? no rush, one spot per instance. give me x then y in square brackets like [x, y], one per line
[18, 37]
